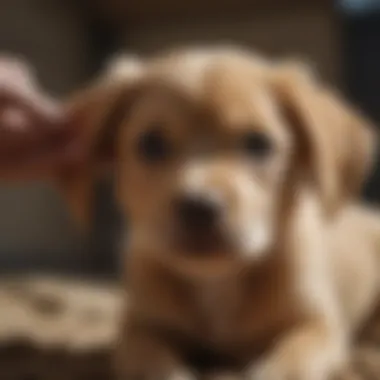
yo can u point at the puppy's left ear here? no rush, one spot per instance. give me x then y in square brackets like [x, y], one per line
[335, 142]
[97, 114]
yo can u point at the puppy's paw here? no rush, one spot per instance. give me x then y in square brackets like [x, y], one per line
[279, 369]
[288, 365]
[313, 351]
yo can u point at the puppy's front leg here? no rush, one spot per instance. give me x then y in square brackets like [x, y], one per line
[313, 351]
[142, 355]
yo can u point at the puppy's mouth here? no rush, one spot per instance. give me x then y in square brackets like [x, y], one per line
[201, 242]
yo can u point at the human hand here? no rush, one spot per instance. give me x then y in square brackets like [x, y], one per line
[36, 135]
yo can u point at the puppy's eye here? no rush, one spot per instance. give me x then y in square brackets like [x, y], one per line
[153, 146]
[257, 145]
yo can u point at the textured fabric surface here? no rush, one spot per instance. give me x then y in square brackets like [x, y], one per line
[59, 329]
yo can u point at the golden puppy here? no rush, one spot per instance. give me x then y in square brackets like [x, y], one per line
[247, 248]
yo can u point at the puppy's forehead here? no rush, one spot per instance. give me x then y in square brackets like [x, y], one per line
[193, 69]
[239, 97]
[231, 84]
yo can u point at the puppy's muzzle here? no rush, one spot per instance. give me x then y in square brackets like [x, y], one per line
[197, 214]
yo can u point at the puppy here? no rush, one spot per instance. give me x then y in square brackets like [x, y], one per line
[248, 249]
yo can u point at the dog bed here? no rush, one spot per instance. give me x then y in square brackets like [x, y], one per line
[62, 328]
[57, 329]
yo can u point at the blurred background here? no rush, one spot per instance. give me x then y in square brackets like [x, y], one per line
[68, 41]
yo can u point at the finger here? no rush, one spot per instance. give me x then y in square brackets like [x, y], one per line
[41, 112]
[20, 90]
[16, 73]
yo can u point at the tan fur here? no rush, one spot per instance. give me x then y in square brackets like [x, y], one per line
[281, 305]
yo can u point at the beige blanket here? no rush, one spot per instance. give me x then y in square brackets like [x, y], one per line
[76, 319]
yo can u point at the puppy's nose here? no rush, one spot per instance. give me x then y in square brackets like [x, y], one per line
[196, 212]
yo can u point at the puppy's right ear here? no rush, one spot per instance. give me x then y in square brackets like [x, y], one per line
[336, 143]
[96, 115]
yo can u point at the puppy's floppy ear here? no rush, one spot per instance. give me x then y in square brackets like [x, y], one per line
[97, 113]
[336, 143]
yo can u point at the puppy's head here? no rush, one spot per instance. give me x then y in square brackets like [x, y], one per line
[206, 145]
